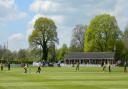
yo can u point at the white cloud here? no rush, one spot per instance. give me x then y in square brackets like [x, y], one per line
[59, 19]
[16, 41]
[16, 37]
[39, 4]
[45, 5]
[9, 11]
[68, 13]
[120, 12]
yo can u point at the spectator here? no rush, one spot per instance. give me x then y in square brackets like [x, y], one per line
[77, 66]
[39, 70]
[125, 66]
[8, 66]
[1, 66]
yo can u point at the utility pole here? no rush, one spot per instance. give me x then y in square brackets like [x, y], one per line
[7, 52]
[115, 52]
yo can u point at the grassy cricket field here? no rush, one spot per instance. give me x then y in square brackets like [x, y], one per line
[64, 78]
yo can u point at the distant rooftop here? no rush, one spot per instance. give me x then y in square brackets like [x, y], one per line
[90, 55]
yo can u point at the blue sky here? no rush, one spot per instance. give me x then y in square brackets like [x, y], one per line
[17, 17]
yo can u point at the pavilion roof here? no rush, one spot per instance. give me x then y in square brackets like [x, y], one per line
[90, 55]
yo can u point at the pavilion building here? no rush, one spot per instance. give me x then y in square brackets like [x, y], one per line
[90, 57]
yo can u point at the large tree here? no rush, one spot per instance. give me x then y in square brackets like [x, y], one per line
[126, 37]
[5, 54]
[125, 41]
[43, 34]
[52, 52]
[61, 52]
[77, 42]
[22, 55]
[102, 34]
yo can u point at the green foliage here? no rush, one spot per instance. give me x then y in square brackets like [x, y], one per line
[22, 55]
[102, 34]
[125, 42]
[52, 52]
[125, 37]
[119, 49]
[61, 52]
[35, 54]
[6, 54]
[43, 34]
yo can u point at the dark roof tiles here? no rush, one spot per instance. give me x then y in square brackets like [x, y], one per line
[90, 55]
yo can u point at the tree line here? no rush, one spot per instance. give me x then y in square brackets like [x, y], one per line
[101, 35]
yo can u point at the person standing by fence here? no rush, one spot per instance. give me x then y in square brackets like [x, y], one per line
[77, 66]
[125, 66]
[39, 69]
[8, 66]
[1, 66]
[109, 67]
[104, 66]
